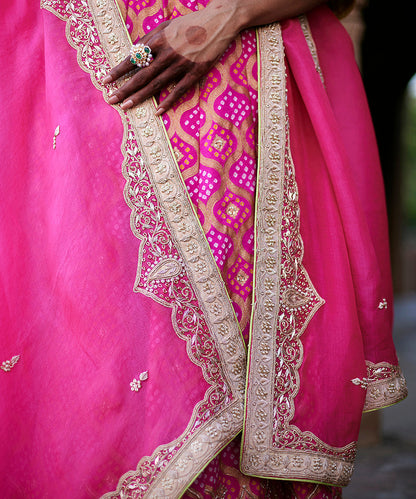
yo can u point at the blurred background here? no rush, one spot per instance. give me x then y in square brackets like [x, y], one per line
[383, 33]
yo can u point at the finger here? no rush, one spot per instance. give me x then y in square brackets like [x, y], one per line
[121, 69]
[153, 87]
[137, 81]
[149, 75]
[187, 82]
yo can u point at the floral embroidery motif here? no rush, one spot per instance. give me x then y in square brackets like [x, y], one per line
[8, 365]
[382, 304]
[136, 384]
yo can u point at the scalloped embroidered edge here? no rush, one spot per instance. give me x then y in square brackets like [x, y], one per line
[172, 467]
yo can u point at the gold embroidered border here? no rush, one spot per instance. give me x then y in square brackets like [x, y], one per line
[386, 385]
[172, 467]
[173, 480]
[285, 300]
[307, 33]
[269, 207]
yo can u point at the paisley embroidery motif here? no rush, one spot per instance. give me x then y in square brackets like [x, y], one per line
[168, 268]
[294, 298]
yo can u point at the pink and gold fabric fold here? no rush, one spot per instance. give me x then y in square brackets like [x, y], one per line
[141, 258]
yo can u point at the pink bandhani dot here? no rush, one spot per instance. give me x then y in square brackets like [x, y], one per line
[193, 120]
[221, 245]
[243, 173]
[248, 241]
[209, 182]
[151, 22]
[232, 106]
[190, 4]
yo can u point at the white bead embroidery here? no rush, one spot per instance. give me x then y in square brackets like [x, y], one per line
[7, 365]
[136, 384]
[361, 382]
[382, 304]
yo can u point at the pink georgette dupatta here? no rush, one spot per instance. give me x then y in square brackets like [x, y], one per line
[96, 378]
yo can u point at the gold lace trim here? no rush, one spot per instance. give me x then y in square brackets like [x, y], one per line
[307, 33]
[272, 447]
[385, 385]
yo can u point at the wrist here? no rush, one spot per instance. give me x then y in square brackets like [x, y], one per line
[230, 13]
[242, 14]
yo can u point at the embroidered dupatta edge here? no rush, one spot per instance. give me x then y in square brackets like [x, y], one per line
[97, 31]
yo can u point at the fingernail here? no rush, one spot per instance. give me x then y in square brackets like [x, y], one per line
[107, 79]
[127, 105]
[113, 99]
[159, 111]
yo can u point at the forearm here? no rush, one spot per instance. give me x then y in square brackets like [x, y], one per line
[249, 13]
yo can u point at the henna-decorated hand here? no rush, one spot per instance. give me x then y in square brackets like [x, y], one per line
[184, 49]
